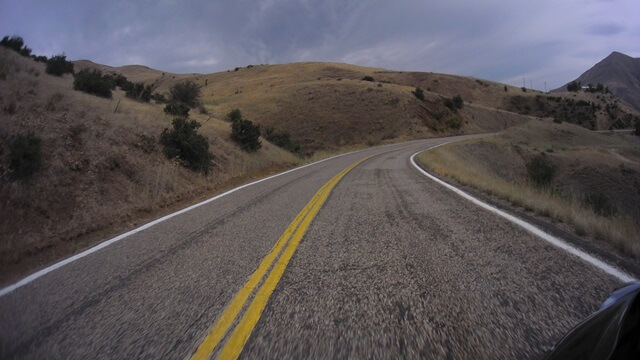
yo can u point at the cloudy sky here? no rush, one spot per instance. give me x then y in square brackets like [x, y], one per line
[550, 41]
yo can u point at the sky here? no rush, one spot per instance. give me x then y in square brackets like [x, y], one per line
[550, 41]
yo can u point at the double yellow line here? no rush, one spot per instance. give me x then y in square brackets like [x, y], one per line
[291, 238]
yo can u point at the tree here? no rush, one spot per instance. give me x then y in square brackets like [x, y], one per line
[93, 82]
[177, 108]
[58, 65]
[187, 92]
[184, 142]
[574, 86]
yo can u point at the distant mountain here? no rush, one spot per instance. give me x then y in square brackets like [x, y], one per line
[620, 72]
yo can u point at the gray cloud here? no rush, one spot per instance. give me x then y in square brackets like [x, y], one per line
[501, 40]
[605, 29]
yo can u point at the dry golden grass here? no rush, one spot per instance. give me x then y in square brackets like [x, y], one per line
[497, 166]
[103, 170]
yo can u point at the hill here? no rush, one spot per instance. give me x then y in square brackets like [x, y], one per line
[620, 73]
[104, 171]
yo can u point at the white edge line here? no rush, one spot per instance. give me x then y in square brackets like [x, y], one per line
[611, 270]
[24, 281]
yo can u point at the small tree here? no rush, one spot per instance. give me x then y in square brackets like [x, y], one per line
[574, 86]
[187, 92]
[58, 65]
[25, 155]
[418, 93]
[93, 82]
[184, 142]
[368, 78]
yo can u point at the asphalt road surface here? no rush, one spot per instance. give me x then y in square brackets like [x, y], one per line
[392, 265]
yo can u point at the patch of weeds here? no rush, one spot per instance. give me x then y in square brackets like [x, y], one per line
[600, 204]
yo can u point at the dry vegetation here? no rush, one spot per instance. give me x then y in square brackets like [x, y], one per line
[594, 190]
[102, 171]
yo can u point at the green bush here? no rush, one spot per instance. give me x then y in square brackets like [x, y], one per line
[139, 91]
[244, 132]
[17, 44]
[159, 98]
[418, 93]
[600, 204]
[368, 78]
[282, 140]
[454, 122]
[25, 155]
[541, 169]
[184, 142]
[177, 108]
[14, 43]
[58, 65]
[234, 115]
[93, 82]
[458, 103]
[187, 92]
[455, 103]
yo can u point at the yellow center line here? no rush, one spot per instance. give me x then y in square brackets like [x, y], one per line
[240, 335]
[293, 234]
[231, 312]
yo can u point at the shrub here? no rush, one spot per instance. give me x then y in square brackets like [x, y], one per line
[541, 170]
[368, 78]
[600, 204]
[25, 155]
[454, 122]
[244, 132]
[524, 89]
[177, 108]
[455, 103]
[58, 65]
[93, 82]
[458, 103]
[40, 58]
[159, 98]
[282, 140]
[184, 142]
[234, 115]
[14, 42]
[418, 93]
[139, 91]
[505, 88]
[187, 92]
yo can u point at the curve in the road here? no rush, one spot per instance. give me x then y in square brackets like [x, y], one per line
[611, 270]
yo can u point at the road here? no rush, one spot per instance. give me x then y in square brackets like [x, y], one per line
[391, 265]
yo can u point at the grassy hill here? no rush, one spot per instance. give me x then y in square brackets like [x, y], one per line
[103, 170]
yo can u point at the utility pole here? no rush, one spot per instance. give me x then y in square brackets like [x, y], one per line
[523, 83]
[545, 86]
[531, 84]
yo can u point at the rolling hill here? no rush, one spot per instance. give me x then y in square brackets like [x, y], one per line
[619, 72]
[104, 171]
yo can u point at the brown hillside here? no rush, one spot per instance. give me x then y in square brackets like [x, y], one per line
[619, 72]
[102, 172]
